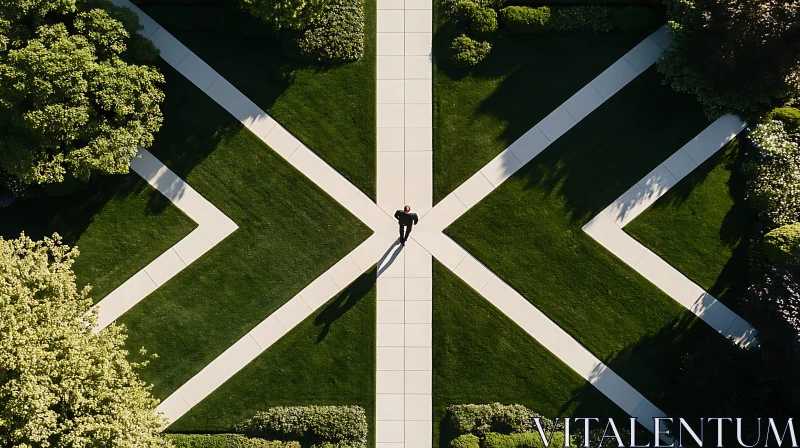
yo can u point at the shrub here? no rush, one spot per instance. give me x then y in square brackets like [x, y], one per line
[525, 20]
[484, 22]
[288, 14]
[590, 17]
[225, 441]
[782, 245]
[465, 10]
[632, 19]
[467, 52]
[773, 185]
[777, 298]
[465, 441]
[480, 419]
[342, 426]
[521, 440]
[337, 37]
[789, 116]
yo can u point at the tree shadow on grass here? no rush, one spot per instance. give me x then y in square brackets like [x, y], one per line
[346, 300]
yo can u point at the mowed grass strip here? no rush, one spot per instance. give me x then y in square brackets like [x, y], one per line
[119, 224]
[482, 356]
[290, 232]
[328, 359]
[331, 109]
[528, 231]
[479, 112]
[703, 226]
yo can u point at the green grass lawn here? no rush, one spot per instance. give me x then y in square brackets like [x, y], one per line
[328, 359]
[482, 356]
[119, 224]
[528, 231]
[330, 109]
[479, 112]
[703, 227]
[290, 232]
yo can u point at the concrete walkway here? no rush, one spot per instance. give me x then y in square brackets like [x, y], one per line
[606, 229]
[404, 356]
[404, 374]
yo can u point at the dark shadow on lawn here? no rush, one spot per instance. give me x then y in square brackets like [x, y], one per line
[346, 300]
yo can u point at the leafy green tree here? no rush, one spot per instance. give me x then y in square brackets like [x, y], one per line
[75, 98]
[734, 55]
[288, 14]
[61, 385]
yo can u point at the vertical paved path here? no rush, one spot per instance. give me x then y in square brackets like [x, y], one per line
[405, 176]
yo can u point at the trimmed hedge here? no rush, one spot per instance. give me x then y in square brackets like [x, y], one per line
[225, 441]
[525, 20]
[466, 441]
[467, 52]
[484, 22]
[782, 245]
[481, 419]
[592, 17]
[521, 440]
[329, 426]
[789, 116]
[631, 19]
[336, 38]
[586, 2]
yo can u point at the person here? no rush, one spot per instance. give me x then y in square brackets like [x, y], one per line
[405, 218]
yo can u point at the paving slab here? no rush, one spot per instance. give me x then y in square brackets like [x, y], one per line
[418, 91]
[391, 139]
[418, 44]
[657, 182]
[192, 246]
[418, 358]
[319, 291]
[418, 265]
[120, 300]
[557, 123]
[391, 4]
[310, 164]
[338, 187]
[610, 236]
[197, 71]
[244, 110]
[268, 331]
[742, 333]
[614, 387]
[391, 172]
[389, 407]
[419, 382]
[390, 358]
[418, 115]
[614, 78]
[501, 168]
[646, 413]
[661, 37]
[367, 211]
[419, 334]
[668, 279]
[390, 288]
[390, 334]
[391, 312]
[418, 139]
[644, 55]
[627, 206]
[394, 263]
[419, 4]
[389, 431]
[680, 164]
[419, 432]
[390, 382]
[391, 44]
[418, 178]
[173, 407]
[282, 141]
[418, 288]
[447, 251]
[391, 115]
[390, 21]
[418, 20]
[443, 214]
[166, 266]
[714, 137]
[418, 407]
[170, 49]
[418, 67]
[570, 351]
[391, 91]
[474, 190]
[714, 313]
[513, 305]
[391, 67]
[293, 312]
[418, 312]
[584, 102]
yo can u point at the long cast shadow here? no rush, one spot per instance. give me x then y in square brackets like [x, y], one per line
[346, 300]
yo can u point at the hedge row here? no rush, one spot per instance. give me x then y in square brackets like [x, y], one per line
[480, 419]
[329, 426]
[225, 441]
[338, 37]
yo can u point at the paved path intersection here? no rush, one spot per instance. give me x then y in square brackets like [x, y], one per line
[404, 281]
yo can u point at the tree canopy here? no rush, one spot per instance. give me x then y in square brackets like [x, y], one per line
[734, 55]
[61, 385]
[76, 93]
[291, 15]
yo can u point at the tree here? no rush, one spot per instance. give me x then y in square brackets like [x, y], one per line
[75, 95]
[284, 15]
[61, 385]
[734, 55]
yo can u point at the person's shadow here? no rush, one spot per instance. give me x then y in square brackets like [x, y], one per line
[388, 257]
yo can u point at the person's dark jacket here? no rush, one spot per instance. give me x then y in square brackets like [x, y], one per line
[406, 218]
